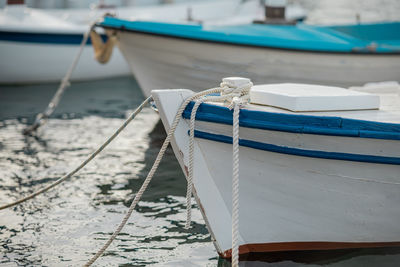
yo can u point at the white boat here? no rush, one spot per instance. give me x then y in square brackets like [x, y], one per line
[172, 55]
[309, 179]
[39, 45]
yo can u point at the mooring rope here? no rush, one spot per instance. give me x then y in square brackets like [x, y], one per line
[84, 163]
[41, 118]
[237, 96]
[228, 92]
[235, 183]
[189, 189]
[152, 171]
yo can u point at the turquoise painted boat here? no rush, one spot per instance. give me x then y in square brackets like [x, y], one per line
[166, 55]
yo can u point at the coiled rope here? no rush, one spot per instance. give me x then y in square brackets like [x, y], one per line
[83, 164]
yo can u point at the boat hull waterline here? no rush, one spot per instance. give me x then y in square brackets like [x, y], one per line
[291, 200]
[34, 59]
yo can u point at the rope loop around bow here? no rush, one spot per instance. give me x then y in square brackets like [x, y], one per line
[239, 91]
[236, 92]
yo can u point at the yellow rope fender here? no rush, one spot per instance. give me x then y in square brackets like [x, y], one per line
[103, 51]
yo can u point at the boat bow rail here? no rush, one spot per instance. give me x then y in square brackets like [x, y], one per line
[384, 38]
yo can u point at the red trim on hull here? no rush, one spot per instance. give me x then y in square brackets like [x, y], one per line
[305, 246]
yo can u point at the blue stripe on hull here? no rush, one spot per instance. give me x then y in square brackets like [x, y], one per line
[299, 152]
[44, 38]
[307, 124]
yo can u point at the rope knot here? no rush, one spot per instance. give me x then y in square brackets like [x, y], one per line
[236, 88]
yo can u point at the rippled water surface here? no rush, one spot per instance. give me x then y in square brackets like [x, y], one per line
[65, 226]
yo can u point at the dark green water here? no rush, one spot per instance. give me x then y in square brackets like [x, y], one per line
[67, 225]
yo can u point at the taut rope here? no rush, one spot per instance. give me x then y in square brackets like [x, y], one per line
[236, 95]
[229, 92]
[83, 164]
[41, 118]
[152, 171]
[103, 52]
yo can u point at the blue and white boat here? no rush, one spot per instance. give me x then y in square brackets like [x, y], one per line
[37, 46]
[171, 55]
[319, 166]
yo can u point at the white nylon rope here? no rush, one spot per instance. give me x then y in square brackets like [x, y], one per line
[41, 118]
[152, 171]
[145, 183]
[191, 151]
[191, 163]
[83, 164]
[235, 183]
[237, 96]
[227, 93]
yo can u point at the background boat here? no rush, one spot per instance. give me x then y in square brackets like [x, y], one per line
[39, 47]
[171, 55]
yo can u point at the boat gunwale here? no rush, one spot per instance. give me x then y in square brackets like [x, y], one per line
[358, 52]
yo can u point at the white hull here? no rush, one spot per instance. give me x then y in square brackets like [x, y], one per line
[30, 63]
[291, 202]
[163, 62]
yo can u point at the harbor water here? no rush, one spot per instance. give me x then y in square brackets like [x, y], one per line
[67, 225]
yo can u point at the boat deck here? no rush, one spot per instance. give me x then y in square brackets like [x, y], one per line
[389, 111]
